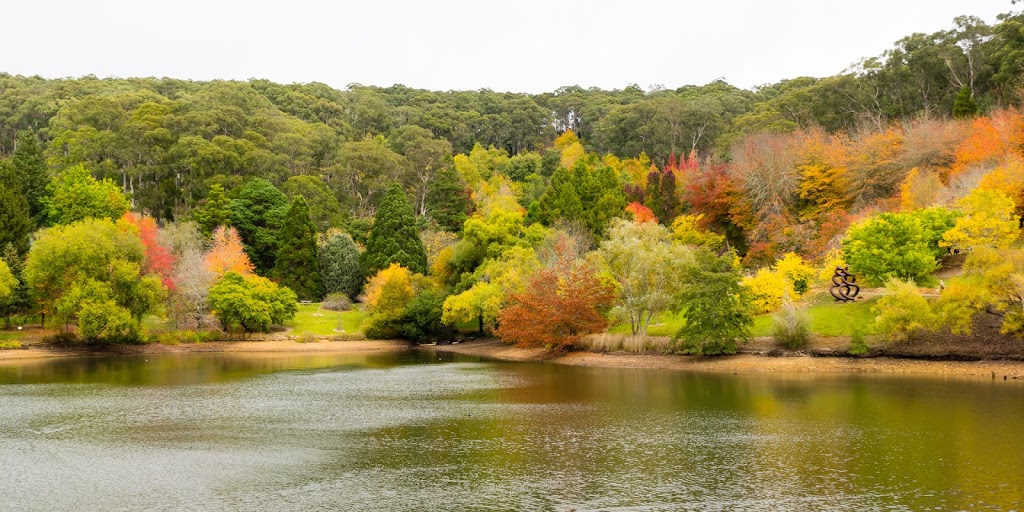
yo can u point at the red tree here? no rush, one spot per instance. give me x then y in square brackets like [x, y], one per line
[159, 259]
[561, 304]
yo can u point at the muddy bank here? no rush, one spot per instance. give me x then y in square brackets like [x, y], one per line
[1009, 370]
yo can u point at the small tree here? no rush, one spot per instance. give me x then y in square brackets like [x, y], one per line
[251, 303]
[227, 254]
[388, 293]
[717, 309]
[340, 269]
[964, 105]
[561, 304]
[647, 266]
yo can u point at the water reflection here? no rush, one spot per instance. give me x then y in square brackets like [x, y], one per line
[405, 431]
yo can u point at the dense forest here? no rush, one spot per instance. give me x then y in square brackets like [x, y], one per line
[441, 208]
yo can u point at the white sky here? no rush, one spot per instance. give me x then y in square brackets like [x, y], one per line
[524, 45]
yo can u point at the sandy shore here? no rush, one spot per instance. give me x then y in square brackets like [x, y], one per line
[749, 363]
[38, 351]
[493, 349]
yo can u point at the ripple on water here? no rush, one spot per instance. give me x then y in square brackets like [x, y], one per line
[479, 436]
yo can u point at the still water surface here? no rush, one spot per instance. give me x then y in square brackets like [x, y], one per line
[409, 431]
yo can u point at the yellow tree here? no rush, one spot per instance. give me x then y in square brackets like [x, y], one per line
[987, 221]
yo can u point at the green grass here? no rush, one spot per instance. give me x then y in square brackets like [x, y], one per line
[11, 335]
[828, 318]
[311, 319]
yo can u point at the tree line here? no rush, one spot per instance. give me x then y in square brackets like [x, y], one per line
[440, 209]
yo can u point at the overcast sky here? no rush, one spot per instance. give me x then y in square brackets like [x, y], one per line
[523, 45]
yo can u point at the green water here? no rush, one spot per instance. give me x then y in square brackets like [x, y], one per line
[409, 431]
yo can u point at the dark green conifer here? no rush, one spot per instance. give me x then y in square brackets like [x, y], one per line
[964, 105]
[393, 237]
[31, 173]
[447, 199]
[297, 266]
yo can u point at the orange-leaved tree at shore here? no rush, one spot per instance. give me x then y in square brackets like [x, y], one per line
[561, 304]
[227, 254]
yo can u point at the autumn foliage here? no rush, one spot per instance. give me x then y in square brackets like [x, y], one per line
[561, 304]
[159, 259]
[641, 213]
[227, 254]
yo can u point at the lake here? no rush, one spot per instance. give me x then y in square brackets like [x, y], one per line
[423, 431]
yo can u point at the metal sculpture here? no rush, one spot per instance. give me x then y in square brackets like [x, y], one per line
[844, 287]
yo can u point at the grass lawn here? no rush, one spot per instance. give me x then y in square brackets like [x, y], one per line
[828, 318]
[11, 335]
[321, 322]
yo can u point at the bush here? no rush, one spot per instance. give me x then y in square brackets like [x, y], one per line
[251, 302]
[336, 302]
[898, 245]
[792, 329]
[10, 345]
[307, 337]
[903, 311]
[186, 336]
[858, 347]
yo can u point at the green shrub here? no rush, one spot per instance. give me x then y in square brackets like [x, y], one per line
[307, 337]
[858, 347]
[792, 328]
[186, 336]
[10, 345]
[903, 311]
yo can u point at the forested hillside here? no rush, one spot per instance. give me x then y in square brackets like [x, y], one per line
[453, 205]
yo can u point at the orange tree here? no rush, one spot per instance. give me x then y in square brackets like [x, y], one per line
[561, 304]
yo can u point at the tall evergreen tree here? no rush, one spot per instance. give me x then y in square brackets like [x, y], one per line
[257, 214]
[394, 238]
[653, 196]
[340, 270]
[297, 266]
[447, 199]
[669, 198]
[33, 177]
[15, 224]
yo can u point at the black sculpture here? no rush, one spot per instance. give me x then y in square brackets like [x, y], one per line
[843, 287]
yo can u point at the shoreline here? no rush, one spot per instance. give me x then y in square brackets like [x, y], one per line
[746, 362]
[37, 351]
[749, 363]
